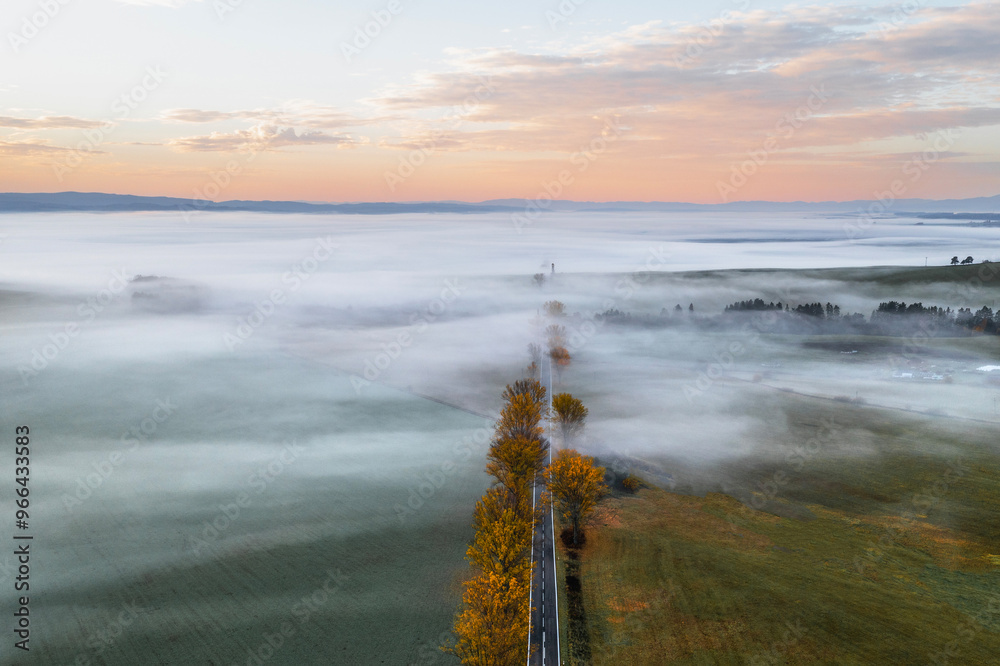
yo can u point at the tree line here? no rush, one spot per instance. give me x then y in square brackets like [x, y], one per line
[491, 625]
[889, 318]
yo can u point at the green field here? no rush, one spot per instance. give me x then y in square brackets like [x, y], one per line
[889, 557]
[317, 565]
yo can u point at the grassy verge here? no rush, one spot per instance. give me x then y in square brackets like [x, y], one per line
[564, 640]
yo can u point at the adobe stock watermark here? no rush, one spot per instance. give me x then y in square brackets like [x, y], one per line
[769, 489]
[229, 512]
[87, 311]
[920, 504]
[218, 181]
[428, 483]
[32, 25]
[914, 169]
[366, 34]
[968, 629]
[785, 128]
[579, 335]
[725, 359]
[562, 12]
[417, 157]
[103, 639]
[900, 16]
[121, 108]
[224, 7]
[553, 189]
[130, 441]
[419, 322]
[293, 280]
[301, 612]
[794, 631]
[707, 33]
[429, 652]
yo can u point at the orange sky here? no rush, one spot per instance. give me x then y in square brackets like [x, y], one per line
[795, 103]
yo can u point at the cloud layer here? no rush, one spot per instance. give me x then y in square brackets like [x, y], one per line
[831, 98]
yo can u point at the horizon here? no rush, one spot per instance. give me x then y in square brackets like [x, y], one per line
[737, 100]
[488, 201]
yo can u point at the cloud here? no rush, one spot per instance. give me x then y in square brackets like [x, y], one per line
[49, 122]
[32, 148]
[262, 137]
[296, 113]
[686, 89]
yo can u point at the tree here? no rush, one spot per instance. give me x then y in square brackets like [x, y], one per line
[539, 279]
[570, 414]
[954, 261]
[530, 387]
[632, 483]
[555, 309]
[520, 417]
[690, 307]
[504, 526]
[560, 356]
[575, 485]
[491, 628]
[535, 351]
[967, 260]
[536, 360]
[556, 335]
[516, 462]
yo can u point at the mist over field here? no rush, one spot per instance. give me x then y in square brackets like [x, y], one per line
[239, 418]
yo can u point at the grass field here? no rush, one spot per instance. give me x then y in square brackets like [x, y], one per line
[893, 557]
[316, 564]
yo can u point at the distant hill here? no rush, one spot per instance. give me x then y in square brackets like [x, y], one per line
[111, 203]
[899, 206]
[45, 202]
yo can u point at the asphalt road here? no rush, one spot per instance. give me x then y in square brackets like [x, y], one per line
[544, 632]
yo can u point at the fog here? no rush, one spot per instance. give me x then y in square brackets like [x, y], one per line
[330, 366]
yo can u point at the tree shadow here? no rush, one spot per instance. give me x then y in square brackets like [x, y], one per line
[579, 636]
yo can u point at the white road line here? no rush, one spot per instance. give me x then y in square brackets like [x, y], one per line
[552, 518]
[531, 568]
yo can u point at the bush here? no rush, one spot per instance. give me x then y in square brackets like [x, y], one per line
[632, 483]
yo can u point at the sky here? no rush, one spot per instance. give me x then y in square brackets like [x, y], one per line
[416, 100]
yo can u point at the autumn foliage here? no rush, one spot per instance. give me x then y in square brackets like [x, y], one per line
[491, 628]
[575, 485]
[570, 413]
[516, 462]
[555, 309]
[560, 356]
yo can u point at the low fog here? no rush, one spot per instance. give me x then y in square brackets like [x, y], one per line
[331, 366]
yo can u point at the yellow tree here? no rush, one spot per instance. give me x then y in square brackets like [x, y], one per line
[575, 485]
[520, 417]
[529, 387]
[516, 462]
[502, 544]
[491, 629]
[570, 413]
[560, 356]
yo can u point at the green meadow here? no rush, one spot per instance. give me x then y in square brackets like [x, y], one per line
[889, 557]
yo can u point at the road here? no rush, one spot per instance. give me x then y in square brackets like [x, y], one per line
[543, 634]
